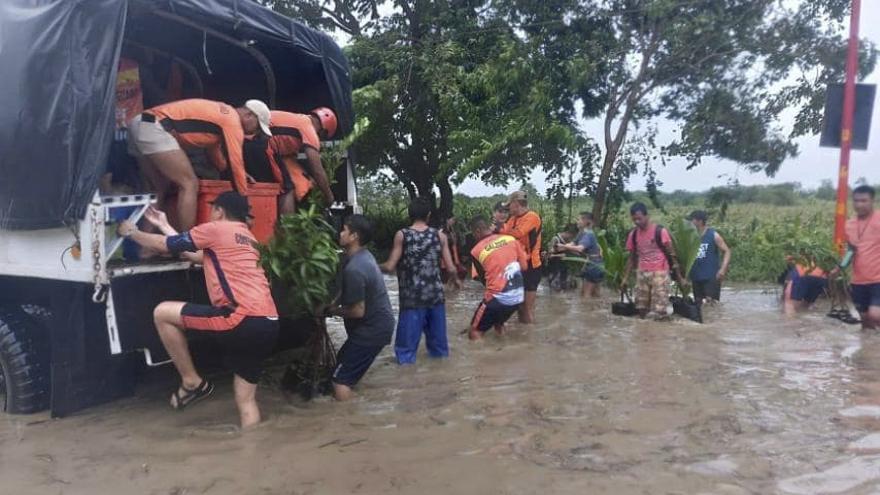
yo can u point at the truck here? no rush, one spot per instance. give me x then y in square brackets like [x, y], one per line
[76, 324]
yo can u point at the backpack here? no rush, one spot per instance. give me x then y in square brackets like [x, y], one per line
[657, 240]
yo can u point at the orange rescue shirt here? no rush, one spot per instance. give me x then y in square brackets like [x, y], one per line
[526, 228]
[211, 125]
[232, 268]
[291, 132]
[864, 237]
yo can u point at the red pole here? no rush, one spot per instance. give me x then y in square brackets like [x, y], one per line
[849, 107]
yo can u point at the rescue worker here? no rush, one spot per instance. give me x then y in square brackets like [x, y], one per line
[525, 226]
[241, 318]
[293, 133]
[157, 136]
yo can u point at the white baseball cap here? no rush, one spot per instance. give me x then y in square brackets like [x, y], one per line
[261, 110]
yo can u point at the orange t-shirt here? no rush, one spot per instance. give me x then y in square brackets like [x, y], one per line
[232, 268]
[864, 237]
[211, 125]
[291, 132]
[526, 228]
[500, 260]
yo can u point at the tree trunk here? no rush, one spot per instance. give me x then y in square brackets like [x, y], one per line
[602, 188]
[445, 209]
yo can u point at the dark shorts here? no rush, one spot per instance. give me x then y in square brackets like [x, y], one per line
[707, 289]
[352, 362]
[244, 346]
[531, 279]
[492, 313]
[807, 288]
[865, 295]
[593, 273]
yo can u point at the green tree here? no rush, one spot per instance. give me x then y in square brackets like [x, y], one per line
[723, 70]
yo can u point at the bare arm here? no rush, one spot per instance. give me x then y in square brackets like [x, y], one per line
[394, 257]
[318, 172]
[354, 311]
[160, 221]
[725, 262]
[447, 259]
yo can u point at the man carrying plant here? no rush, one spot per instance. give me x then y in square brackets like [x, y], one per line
[498, 261]
[363, 305]
[416, 256]
[241, 318]
[708, 271]
[587, 245]
[524, 225]
[652, 253]
[863, 251]
[293, 133]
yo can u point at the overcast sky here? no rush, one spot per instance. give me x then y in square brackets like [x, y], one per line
[809, 168]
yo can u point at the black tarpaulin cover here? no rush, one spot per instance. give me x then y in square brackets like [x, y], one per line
[58, 63]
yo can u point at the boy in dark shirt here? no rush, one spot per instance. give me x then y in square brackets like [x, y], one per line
[364, 306]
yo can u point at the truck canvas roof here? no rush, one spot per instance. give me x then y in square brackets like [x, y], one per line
[57, 86]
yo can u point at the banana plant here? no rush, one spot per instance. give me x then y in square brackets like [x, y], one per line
[686, 242]
[615, 261]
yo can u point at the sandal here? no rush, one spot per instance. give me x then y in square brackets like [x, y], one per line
[191, 396]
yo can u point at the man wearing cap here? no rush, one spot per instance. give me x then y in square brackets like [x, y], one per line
[707, 273]
[241, 319]
[293, 133]
[525, 226]
[158, 135]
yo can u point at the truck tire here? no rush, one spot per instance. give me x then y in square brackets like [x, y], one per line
[24, 362]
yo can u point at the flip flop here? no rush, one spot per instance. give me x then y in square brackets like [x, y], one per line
[191, 396]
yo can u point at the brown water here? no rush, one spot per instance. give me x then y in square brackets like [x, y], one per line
[582, 402]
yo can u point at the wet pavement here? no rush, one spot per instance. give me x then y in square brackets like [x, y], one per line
[582, 402]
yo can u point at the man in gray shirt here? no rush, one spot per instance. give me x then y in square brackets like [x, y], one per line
[364, 306]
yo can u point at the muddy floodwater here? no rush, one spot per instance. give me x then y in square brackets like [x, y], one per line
[581, 403]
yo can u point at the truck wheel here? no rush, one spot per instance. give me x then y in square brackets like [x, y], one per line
[24, 362]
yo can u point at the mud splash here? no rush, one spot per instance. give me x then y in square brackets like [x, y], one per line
[583, 402]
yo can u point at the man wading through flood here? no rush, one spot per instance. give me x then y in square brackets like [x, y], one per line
[241, 318]
[416, 255]
[708, 272]
[651, 252]
[364, 307]
[863, 251]
[498, 262]
[524, 225]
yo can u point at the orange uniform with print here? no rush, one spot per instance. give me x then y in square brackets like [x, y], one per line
[500, 260]
[232, 268]
[291, 132]
[864, 237]
[210, 125]
[526, 229]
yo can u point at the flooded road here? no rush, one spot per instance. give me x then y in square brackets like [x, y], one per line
[582, 402]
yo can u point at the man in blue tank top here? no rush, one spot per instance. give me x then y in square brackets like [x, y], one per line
[708, 271]
[416, 256]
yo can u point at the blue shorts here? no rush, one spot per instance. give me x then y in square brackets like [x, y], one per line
[491, 314]
[593, 273]
[353, 361]
[865, 295]
[807, 288]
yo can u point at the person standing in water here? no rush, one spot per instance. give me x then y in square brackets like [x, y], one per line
[587, 245]
[863, 252]
[363, 305]
[498, 261]
[708, 270]
[416, 256]
[525, 226]
[651, 253]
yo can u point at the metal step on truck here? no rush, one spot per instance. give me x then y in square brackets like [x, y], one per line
[76, 323]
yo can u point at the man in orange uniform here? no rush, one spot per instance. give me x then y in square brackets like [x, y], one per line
[157, 135]
[241, 319]
[498, 261]
[292, 133]
[525, 226]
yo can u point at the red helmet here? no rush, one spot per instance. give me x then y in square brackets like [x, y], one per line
[327, 118]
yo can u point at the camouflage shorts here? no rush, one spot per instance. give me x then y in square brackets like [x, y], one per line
[652, 291]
